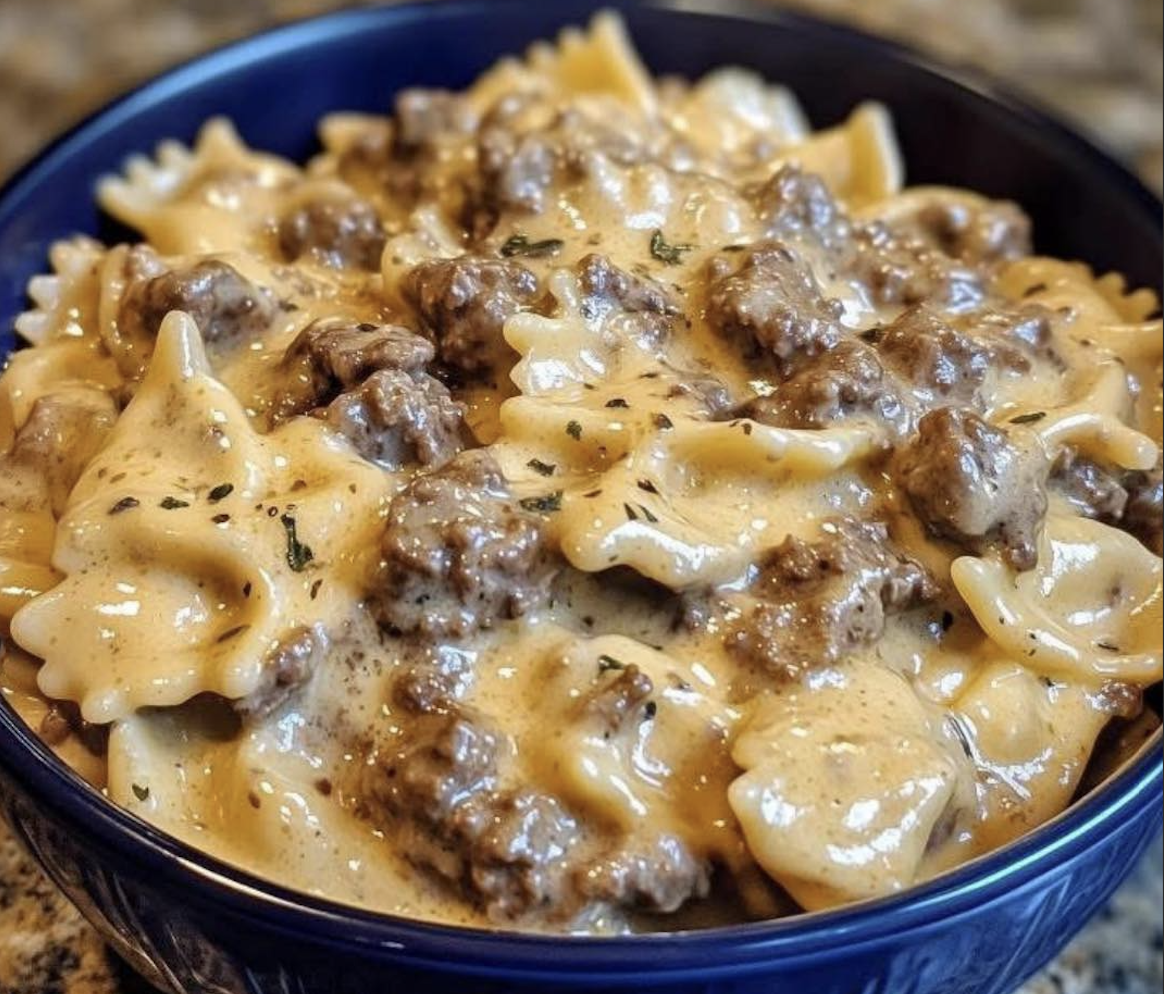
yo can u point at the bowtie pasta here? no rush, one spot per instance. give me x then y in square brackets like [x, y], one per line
[582, 503]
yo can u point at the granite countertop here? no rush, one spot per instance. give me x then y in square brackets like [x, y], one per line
[62, 58]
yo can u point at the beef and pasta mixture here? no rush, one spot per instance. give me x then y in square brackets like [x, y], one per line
[581, 503]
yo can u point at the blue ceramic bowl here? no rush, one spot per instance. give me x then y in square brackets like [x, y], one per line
[193, 924]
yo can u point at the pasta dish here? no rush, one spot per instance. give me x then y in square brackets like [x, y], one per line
[584, 503]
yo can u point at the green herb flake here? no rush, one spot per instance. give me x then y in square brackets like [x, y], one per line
[298, 554]
[219, 492]
[172, 503]
[574, 430]
[630, 513]
[663, 423]
[647, 486]
[125, 504]
[140, 792]
[649, 514]
[541, 468]
[521, 245]
[617, 402]
[1028, 419]
[546, 504]
[232, 633]
[665, 252]
[607, 663]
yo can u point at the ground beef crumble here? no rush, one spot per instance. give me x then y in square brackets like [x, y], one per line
[813, 603]
[459, 553]
[369, 382]
[463, 304]
[969, 482]
[773, 304]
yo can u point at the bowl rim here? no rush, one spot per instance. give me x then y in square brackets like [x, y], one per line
[209, 881]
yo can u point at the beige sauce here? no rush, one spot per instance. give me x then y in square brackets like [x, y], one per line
[945, 738]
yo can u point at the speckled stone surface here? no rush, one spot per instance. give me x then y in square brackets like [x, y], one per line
[1097, 61]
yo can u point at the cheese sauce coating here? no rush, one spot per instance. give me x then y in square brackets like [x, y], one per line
[582, 503]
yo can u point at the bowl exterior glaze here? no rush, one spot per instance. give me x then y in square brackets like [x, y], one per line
[185, 941]
[195, 926]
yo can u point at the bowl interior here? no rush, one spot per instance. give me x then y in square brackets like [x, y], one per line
[954, 128]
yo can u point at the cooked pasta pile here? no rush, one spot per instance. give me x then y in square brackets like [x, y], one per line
[580, 503]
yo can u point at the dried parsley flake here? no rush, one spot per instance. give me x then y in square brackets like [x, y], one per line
[666, 252]
[545, 504]
[298, 554]
[521, 245]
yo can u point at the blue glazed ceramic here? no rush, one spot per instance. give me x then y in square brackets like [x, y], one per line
[196, 926]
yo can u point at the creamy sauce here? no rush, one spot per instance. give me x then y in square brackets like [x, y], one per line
[203, 531]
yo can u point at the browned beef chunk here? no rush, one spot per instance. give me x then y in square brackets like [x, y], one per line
[516, 170]
[330, 356]
[1129, 500]
[1013, 333]
[896, 269]
[371, 379]
[846, 381]
[333, 355]
[411, 159]
[427, 117]
[518, 165]
[459, 553]
[227, 307]
[995, 232]
[464, 303]
[661, 878]
[971, 484]
[816, 602]
[772, 301]
[582, 138]
[366, 163]
[395, 419]
[334, 232]
[513, 851]
[642, 307]
[1090, 489]
[434, 685]
[505, 849]
[64, 430]
[286, 668]
[795, 203]
[446, 760]
[518, 861]
[617, 698]
[933, 356]
[1122, 700]
[1142, 516]
[63, 718]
